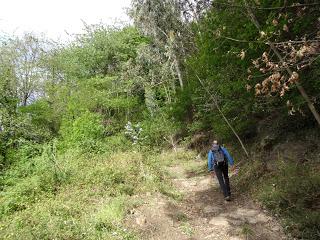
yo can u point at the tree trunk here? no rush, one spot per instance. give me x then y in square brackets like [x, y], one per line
[177, 67]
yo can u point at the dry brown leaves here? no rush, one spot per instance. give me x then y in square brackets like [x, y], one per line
[296, 56]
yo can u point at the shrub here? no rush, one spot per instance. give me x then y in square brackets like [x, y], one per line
[134, 133]
[85, 132]
[116, 143]
[24, 150]
[28, 181]
[157, 129]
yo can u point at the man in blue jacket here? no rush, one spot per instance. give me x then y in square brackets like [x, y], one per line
[218, 161]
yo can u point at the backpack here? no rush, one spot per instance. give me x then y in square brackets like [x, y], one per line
[219, 157]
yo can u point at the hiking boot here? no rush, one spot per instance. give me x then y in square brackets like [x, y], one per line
[228, 198]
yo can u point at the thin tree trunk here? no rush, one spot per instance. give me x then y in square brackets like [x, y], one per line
[300, 88]
[167, 94]
[274, 49]
[177, 67]
[175, 60]
[215, 101]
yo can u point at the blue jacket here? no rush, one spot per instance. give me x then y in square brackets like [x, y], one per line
[211, 158]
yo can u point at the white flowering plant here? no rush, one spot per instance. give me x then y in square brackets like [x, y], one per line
[134, 132]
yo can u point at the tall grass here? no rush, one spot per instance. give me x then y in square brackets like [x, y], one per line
[71, 195]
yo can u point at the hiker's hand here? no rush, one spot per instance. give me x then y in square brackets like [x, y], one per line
[212, 173]
[234, 170]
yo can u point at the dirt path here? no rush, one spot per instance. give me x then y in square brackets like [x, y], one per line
[202, 214]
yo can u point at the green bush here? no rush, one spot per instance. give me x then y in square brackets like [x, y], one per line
[24, 151]
[157, 130]
[253, 171]
[27, 182]
[20, 196]
[117, 143]
[85, 132]
[42, 116]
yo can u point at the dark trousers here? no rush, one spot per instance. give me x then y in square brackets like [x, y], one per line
[223, 178]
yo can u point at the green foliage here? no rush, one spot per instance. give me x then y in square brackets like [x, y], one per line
[84, 132]
[158, 129]
[247, 231]
[222, 72]
[117, 143]
[187, 229]
[294, 194]
[291, 191]
[83, 93]
[41, 115]
[182, 109]
[23, 151]
[30, 178]
[21, 195]
[253, 171]
[79, 196]
[70, 219]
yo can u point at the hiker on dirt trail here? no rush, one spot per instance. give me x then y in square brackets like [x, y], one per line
[218, 161]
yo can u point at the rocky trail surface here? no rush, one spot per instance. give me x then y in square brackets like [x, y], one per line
[202, 213]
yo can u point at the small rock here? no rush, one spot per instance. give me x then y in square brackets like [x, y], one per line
[242, 212]
[234, 238]
[210, 209]
[141, 221]
[219, 221]
[236, 222]
[193, 184]
[252, 220]
[262, 218]
[275, 229]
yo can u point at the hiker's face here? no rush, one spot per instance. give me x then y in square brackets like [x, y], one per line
[215, 147]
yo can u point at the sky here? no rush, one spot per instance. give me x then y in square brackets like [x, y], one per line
[58, 18]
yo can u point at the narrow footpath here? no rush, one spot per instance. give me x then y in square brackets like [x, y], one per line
[202, 213]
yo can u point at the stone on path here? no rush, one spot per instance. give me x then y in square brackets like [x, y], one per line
[141, 220]
[219, 221]
[211, 209]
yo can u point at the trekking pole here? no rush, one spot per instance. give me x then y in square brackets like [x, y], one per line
[223, 116]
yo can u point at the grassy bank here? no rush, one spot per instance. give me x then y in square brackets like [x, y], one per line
[80, 196]
[289, 190]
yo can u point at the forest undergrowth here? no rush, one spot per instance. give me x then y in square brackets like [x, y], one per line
[86, 124]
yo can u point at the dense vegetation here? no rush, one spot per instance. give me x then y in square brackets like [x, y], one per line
[82, 124]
